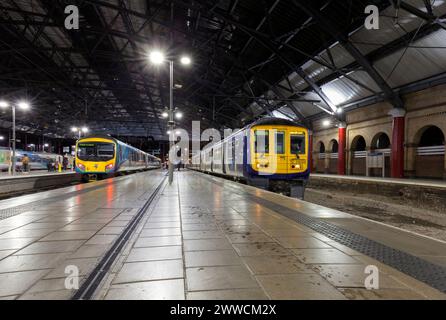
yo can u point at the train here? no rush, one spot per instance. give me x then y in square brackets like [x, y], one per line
[38, 160]
[267, 152]
[98, 157]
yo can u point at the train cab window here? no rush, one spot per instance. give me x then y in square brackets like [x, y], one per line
[95, 151]
[297, 144]
[106, 150]
[280, 142]
[261, 141]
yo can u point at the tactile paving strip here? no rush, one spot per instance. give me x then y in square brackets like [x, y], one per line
[422, 270]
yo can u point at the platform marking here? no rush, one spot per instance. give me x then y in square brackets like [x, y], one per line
[92, 283]
[422, 270]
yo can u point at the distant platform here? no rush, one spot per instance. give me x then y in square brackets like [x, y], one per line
[413, 182]
[37, 173]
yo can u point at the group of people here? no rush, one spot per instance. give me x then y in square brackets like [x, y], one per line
[53, 165]
[177, 165]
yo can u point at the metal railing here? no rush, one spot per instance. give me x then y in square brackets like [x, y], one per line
[430, 151]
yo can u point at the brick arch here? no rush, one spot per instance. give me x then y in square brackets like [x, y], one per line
[419, 134]
[320, 144]
[429, 158]
[332, 153]
[333, 145]
[416, 128]
[381, 140]
[356, 141]
[375, 143]
[319, 161]
[358, 163]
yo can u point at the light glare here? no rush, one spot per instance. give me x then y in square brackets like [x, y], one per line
[185, 60]
[24, 105]
[156, 57]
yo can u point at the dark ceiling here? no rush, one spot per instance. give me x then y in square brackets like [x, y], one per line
[100, 76]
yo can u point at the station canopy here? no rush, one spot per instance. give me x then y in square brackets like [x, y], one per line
[296, 59]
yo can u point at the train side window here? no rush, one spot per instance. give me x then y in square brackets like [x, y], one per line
[261, 141]
[297, 144]
[280, 142]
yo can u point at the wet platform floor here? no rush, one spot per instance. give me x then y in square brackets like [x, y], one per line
[203, 238]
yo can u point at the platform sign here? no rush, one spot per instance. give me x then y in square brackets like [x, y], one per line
[375, 160]
[66, 149]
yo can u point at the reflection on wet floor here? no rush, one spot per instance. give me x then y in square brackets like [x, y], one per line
[200, 240]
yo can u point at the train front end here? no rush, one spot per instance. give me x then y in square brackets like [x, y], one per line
[96, 157]
[278, 155]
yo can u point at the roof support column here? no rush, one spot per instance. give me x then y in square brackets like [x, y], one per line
[397, 152]
[341, 148]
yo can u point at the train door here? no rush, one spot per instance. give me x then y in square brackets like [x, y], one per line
[297, 152]
[281, 160]
[263, 154]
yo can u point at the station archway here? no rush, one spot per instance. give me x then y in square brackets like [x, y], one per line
[430, 153]
[333, 157]
[381, 143]
[320, 162]
[358, 156]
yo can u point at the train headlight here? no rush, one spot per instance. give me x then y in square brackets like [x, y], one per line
[81, 166]
[109, 166]
[258, 165]
[298, 166]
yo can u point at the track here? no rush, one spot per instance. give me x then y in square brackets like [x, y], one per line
[92, 283]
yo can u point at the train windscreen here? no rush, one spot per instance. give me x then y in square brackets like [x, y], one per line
[95, 151]
[297, 145]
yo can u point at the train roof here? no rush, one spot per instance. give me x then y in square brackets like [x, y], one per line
[274, 121]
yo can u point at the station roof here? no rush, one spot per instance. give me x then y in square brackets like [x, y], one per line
[290, 58]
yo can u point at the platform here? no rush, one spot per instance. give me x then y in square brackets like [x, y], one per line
[204, 237]
[436, 183]
[37, 173]
[35, 181]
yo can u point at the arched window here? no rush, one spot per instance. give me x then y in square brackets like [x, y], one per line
[321, 147]
[432, 136]
[358, 144]
[381, 141]
[334, 146]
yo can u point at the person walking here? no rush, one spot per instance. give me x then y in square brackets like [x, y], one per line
[25, 163]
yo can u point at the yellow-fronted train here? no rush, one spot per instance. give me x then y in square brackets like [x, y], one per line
[98, 157]
[271, 153]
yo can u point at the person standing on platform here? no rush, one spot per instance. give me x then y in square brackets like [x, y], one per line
[65, 162]
[25, 163]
